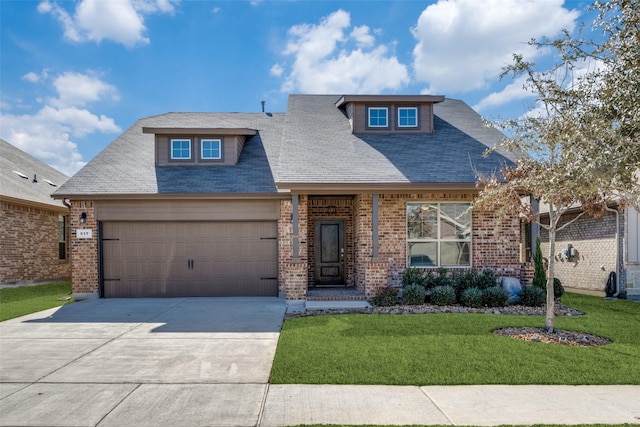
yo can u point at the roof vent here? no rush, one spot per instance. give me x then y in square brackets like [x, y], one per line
[34, 178]
[50, 183]
[21, 175]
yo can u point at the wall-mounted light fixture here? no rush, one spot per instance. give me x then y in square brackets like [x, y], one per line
[83, 217]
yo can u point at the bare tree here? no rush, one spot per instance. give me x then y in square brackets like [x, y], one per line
[579, 145]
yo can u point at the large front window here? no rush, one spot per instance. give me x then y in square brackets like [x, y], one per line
[438, 234]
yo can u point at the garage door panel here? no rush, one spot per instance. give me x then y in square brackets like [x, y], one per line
[148, 259]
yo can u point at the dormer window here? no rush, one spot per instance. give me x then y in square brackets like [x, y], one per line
[378, 117]
[180, 149]
[407, 117]
[210, 149]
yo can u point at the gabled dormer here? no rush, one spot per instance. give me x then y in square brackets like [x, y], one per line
[198, 146]
[389, 113]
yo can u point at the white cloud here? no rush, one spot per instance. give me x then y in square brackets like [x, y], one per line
[78, 89]
[276, 70]
[326, 62]
[48, 134]
[511, 92]
[121, 21]
[463, 44]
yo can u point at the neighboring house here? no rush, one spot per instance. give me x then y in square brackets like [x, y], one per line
[33, 226]
[338, 191]
[588, 250]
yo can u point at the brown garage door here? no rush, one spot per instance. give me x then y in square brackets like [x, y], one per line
[171, 259]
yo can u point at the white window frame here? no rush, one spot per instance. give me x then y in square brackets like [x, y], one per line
[438, 240]
[203, 141]
[181, 140]
[386, 111]
[415, 109]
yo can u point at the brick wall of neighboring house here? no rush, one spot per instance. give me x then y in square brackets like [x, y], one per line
[292, 272]
[30, 244]
[84, 252]
[594, 240]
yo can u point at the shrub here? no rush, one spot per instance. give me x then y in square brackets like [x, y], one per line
[443, 295]
[471, 297]
[462, 280]
[413, 295]
[558, 289]
[442, 279]
[413, 276]
[385, 297]
[486, 279]
[532, 296]
[539, 275]
[495, 296]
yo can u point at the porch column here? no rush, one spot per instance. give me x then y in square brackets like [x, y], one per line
[294, 222]
[374, 227]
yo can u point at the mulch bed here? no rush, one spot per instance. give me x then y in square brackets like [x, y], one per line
[562, 337]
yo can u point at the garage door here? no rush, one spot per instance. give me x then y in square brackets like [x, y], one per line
[173, 259]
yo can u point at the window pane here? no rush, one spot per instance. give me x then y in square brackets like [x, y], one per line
[423, 254]
[422, 221]
[378, 117]
[62, 232]
[455, 221]
[211, 149]
[455, 253]
[180, 149]
[407, 117]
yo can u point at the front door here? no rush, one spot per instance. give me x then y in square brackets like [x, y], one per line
[329, 253]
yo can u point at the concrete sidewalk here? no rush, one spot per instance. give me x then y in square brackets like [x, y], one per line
[206, 361]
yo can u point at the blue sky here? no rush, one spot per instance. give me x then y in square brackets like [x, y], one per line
[76, 74]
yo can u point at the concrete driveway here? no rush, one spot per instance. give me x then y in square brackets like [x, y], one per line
[143, 362]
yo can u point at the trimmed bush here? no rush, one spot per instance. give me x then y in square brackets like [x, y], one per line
[413, 295]
[558, 289]
[385, 297]
[487, 279]
[471, 297]
[413, 276]
[443, 295]
[462, 280]
[532, 296]
[495, 297]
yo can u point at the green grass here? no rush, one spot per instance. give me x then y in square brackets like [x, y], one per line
[15, 302]
[456, 349]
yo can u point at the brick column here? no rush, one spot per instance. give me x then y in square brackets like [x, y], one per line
[293, 273]
[84, 252]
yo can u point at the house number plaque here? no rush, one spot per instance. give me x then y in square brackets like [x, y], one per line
[84, 233]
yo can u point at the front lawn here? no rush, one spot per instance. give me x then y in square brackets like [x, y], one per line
[15, 302]
[455, 349]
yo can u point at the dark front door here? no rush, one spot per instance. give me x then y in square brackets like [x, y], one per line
[329, 253]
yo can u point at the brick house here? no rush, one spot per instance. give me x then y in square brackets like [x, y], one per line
[338, 191]
[591, 248]
[33, 226]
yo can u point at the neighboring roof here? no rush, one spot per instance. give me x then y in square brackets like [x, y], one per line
[322, 151]
[127, 165]
[25, 178]
[308, 147]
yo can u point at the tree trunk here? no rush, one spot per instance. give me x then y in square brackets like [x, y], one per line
[548, 324]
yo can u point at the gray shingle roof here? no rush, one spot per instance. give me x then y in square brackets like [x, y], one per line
[14, 186]
[311, 143]
[127, 165]
[321, 148]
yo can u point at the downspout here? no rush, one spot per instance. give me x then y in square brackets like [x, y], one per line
[617, 249]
